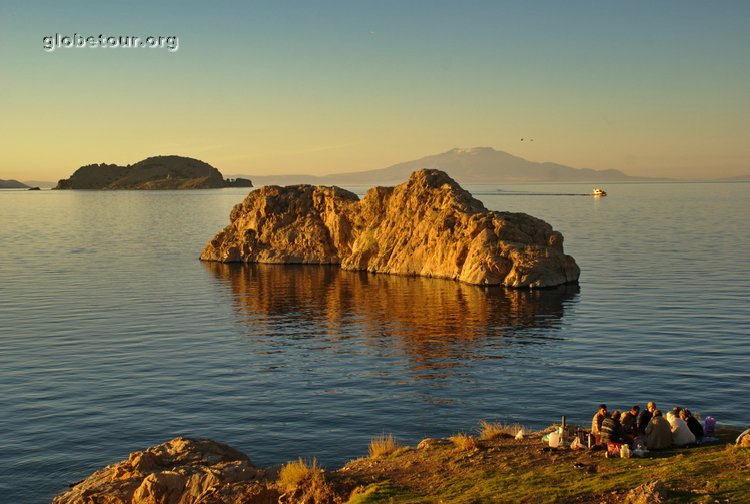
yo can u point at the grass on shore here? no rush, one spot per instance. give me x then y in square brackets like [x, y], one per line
[505, 469]
[382, 446]
[494, 430]
[294, 473]
[464, 442]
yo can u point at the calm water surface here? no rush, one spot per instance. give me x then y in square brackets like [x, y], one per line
[114, 337]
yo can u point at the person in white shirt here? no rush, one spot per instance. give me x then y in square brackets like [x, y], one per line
[681, 434]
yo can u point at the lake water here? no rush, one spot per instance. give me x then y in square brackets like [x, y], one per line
[114, 337]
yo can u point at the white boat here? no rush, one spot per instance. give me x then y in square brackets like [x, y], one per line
[598, 191]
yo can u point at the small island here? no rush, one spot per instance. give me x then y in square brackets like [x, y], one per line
[428, 226]
[158, 172]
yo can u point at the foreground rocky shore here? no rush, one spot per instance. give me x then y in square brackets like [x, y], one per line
[428, 226]
[497, 468]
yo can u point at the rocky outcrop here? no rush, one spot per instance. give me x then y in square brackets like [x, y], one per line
[180, 471]
[202, 471]
[427, 226]
[158, 172]
[648, 493]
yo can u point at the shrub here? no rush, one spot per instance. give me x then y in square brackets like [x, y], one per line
[464, 441]
[492, 430]
[293, 473]
[383, 445]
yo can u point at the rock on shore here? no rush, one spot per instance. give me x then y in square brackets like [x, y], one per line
[427, 226]
[179, 471]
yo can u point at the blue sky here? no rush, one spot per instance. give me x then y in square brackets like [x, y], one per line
[651, 88]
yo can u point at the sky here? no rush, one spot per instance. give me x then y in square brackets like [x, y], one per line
[653, 88]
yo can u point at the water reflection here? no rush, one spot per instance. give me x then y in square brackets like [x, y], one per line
[434, 324]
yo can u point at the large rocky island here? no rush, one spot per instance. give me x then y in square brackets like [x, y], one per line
[158, 172]
[427, 226]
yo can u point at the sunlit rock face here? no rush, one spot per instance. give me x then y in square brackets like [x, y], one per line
[180, 471]
[427, 226]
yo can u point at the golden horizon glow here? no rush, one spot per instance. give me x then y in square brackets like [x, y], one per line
[272, 89]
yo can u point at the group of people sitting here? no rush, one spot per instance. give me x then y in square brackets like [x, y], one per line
[678, 428]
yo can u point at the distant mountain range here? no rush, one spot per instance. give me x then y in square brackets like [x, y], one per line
[158, 172]
[478, 165]
[12, 184]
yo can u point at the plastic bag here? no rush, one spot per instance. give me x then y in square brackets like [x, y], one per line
[554, 439]
[709, 426]
[519, 434]
[576, 444]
